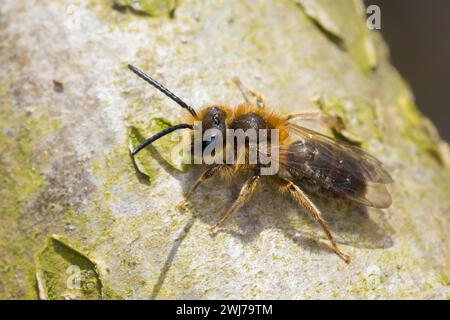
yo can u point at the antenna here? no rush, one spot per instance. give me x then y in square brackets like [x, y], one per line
[160, 135]
[141, 74]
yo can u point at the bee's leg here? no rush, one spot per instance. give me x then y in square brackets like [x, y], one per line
[303, 200]
[208, 173]
[246, 191]
[330, 121]
[260, 100]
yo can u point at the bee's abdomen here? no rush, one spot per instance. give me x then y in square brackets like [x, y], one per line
[335, 171]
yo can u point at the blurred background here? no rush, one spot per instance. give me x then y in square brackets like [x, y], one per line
[418, 34]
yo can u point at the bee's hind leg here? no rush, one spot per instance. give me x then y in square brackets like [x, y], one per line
[305, 202]
[246, 191]
[260, 100]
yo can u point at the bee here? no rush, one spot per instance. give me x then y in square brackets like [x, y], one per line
[305, 157]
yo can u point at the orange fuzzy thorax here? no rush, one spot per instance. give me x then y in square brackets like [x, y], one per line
[274, 120]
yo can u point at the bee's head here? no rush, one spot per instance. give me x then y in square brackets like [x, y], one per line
[213, 125]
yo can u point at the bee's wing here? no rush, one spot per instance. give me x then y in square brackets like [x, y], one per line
[345, 169]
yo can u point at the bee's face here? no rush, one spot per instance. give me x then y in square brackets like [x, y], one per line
[213, 125]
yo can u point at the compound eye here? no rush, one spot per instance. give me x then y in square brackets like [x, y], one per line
[216, 119]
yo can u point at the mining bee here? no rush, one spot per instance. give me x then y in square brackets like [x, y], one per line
[305, 157]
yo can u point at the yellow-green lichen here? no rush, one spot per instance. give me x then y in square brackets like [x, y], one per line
[145, 168]
[116, 18]
[21, 165]
[63, 272]
[443, 279]
[150, 7]
[415, 128]
[343, 23]
[365, 119]
[168, 148]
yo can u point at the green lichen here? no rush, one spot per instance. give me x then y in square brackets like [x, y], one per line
[21, 165]
[114, 167]
[150, 7]
[117, 18]
[343, 23]
[415, 128]
[368, 119]
[104, 12]
[144, 165]
[63, 272]
[365, 119]
[168, 148]
[443, 279]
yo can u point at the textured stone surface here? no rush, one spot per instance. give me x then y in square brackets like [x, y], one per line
[68, 106]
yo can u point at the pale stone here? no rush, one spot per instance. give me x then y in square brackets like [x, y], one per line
[68, 102]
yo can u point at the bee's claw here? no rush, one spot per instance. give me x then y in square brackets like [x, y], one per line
[341, 254]
[213, 230]
[344, 257]
[182, 205]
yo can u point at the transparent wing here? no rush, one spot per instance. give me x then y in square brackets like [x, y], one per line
[341, 167]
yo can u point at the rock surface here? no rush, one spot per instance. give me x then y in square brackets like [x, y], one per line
[77, 219]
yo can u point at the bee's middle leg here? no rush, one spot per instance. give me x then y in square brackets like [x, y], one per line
[330, 121]
[246, 191]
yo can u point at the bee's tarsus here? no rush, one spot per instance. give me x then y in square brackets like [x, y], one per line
[213, 230]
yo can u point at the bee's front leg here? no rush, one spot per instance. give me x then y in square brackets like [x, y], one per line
[246, 191]
[209, 173]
